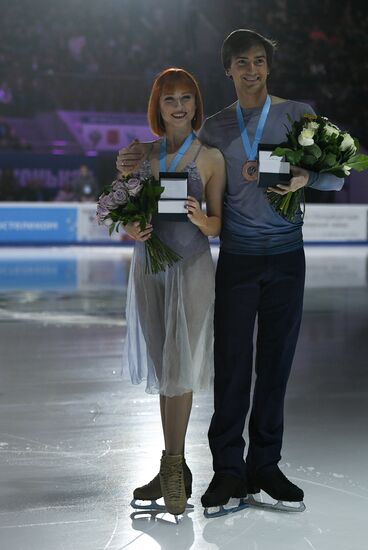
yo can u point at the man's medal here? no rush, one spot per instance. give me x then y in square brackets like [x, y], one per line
[250, 167]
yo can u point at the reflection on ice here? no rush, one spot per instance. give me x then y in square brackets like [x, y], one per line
[76, 437]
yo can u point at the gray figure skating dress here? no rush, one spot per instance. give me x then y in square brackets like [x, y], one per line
[170, 314]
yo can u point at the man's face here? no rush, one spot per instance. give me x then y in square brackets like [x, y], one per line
[249, 70]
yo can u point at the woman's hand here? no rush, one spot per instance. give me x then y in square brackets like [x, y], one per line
[195, 213]
[300, 179]
[134, 231]
[129, 158]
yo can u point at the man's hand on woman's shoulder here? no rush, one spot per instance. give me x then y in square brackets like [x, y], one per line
[130, 157]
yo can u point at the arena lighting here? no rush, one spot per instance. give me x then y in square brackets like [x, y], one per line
[59, 143]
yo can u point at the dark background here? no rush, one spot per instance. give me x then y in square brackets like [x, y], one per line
[103, 56]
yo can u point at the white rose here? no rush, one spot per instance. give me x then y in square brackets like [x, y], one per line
[346, 169]
[330, 130]
[313, 125]
[305, 137]
[347, 143]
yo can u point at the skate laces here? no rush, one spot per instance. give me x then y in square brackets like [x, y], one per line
[172, 475]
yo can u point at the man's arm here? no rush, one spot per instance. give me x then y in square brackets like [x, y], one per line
[324, 181]
[206, 134]
[129, 158]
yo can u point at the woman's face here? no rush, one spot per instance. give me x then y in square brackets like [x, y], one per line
[178, 108]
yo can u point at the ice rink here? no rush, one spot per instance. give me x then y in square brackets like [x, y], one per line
[76, 437]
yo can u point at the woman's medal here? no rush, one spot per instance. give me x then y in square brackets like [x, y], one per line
[172, 202]
[178, 156]
[250, 167]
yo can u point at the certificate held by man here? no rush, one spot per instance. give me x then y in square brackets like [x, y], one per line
[272, 169]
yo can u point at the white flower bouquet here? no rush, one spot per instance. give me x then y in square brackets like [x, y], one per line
[314, 143]
[131, 199]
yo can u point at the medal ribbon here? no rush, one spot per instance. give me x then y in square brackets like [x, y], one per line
[179, 155]
[251, 150]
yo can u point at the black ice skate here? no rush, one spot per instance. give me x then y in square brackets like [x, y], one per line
[288, 497]
[145, 497]
[222, 488]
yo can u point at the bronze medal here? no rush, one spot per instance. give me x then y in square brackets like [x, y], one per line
[250, 170]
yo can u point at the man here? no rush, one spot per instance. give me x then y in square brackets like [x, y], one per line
[84, 185]
[260, 274]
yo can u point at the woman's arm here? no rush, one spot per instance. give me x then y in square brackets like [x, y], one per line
[211, 164]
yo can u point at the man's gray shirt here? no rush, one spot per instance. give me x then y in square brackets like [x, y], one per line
[250, 225]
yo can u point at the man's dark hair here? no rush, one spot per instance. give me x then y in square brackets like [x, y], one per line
[240, 41]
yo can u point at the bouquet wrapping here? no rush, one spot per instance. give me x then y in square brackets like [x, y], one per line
[314, 143]
[132, 199]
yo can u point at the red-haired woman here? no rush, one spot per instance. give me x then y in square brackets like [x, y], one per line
[170, 314]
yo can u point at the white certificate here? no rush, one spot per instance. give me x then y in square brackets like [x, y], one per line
[174, 188]
[172, 207]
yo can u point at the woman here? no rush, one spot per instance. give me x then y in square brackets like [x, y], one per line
[170, 314]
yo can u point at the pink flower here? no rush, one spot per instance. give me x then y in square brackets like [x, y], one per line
[133, 186]
[118, 184]
[101, 213]
[110, 202]
[102, 202]
[121, 196]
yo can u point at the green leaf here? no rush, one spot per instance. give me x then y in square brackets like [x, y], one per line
[330, 160]
[309, 160]
[294, 157]
[358, 162]
[314, 150]
[291, 155]
[280, 151]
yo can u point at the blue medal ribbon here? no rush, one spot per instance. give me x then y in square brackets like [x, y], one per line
[179, 155]
[251, 150]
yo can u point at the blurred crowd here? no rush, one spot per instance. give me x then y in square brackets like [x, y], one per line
[8, 138]
[61, 55]
[82, 188]
[103, 56]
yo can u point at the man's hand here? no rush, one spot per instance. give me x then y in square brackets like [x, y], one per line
[299, 180]
[134, 231]
[129, 158]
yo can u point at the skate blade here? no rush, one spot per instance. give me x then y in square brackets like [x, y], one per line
[222, 511]
[144, 505]
[278, 506]
[154, 506]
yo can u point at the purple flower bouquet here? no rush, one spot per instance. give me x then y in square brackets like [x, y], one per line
[131, 199]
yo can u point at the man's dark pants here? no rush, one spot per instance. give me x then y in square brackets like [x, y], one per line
[271, 286]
